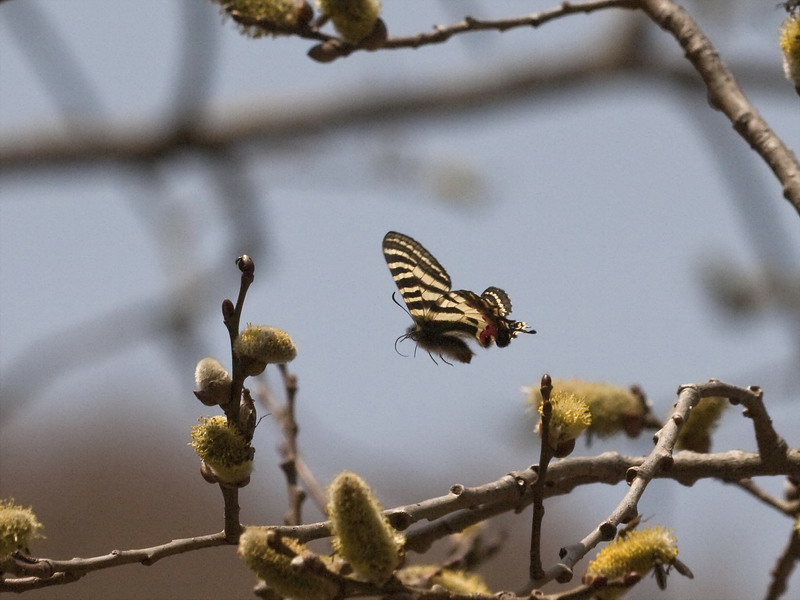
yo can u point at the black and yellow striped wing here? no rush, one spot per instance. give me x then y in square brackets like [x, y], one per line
[445, 318]
[418, 275]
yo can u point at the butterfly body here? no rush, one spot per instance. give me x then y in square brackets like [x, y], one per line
[441, 340]
[445, 319]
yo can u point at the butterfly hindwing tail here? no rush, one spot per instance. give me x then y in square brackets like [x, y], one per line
[507, 328]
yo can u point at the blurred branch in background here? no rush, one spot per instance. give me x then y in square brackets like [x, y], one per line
[175, 316]
[56, 66]
[276, 123]
[626, 54]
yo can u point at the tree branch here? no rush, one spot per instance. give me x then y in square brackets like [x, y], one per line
[98, 143]
[289, 448]
[44, 572]
[546, 454]
[772, 448]
[784, 567]
[453, 512]
[787, 507]
[335, 47]
[638, 477]
[292, 463]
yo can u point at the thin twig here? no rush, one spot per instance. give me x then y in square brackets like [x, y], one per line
[303, 471]
[311, 484]
[289, 449]
[233, 408]
[786, 507]
[510, 491]
[338, 48]
[784, 566]
[535, 570]
[44, 572]
[767, 439]
[471, 24]
[232, 315]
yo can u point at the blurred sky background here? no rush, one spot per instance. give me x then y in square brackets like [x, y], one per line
[616, 209]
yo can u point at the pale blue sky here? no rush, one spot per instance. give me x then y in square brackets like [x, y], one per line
[595, 209]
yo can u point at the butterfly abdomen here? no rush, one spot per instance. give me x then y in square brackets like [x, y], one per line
[446, 345]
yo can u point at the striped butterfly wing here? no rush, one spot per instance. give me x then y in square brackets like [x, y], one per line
[444, 319]
[418, 275]
[454, 317]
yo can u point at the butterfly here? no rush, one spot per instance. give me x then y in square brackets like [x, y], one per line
[443, 318]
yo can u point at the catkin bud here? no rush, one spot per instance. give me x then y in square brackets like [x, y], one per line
[459, 582]
[18, 526]
[614, 409]
[353, 19]
[569, 418]
[276, 17]
[639, 551]
[214, 382]
[326, 52]
[696, 432]
[260, 345]
[790, 45]
[223, 449]
[270, 557]
[362, 534]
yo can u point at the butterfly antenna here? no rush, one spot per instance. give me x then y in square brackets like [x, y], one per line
[397, 341]
[398, 304]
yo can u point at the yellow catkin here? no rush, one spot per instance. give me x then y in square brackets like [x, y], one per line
[614, 408]
[270, 558]
[790, 45]
[260, 345]
[279, 16]
[456, 581]
[18, 526]
[638, 551]
[362, 534]
[569, 418]
[223, 448]
[353, 19]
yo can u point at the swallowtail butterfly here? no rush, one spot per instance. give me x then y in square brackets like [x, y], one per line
[445, 318]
